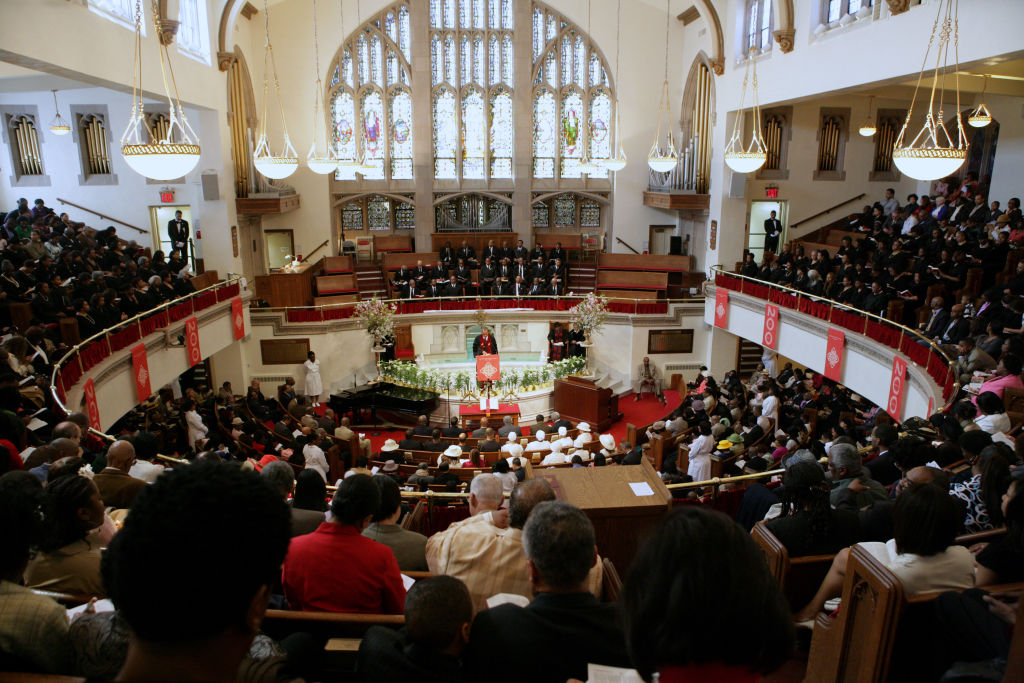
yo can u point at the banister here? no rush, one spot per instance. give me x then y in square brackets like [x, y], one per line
[102, 215]
[626, 244]
[828, 210]
[935, 348]
[322, 245]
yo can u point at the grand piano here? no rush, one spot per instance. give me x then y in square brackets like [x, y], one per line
[382, 396]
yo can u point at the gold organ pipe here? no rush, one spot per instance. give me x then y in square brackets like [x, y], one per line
[238, 137]
[28, 147]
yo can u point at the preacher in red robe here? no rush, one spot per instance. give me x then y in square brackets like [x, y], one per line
[484, 343]
[557, 343]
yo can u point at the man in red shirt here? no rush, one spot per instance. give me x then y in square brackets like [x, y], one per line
[336, 568]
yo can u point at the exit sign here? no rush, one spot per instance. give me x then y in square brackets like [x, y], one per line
[771, 192]
[166, 196]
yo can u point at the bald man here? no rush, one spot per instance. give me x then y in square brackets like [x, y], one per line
[344, 433]
[117, 488]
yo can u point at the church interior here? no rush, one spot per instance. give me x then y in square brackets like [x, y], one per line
[360, 339]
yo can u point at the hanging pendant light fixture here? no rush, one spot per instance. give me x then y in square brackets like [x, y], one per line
[274, 166]
[867, 129]
[981, 116]
[932, 154]
[663, 156]
[588, 166]
[347, 168]
[319, 162]
[618, 160]
[58, 126]
[158, 159]
[753, 157]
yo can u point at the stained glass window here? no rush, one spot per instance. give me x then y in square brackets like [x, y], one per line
[590, 214]
[572, 98]
[370, 102]
[469, 65]
[405, 215]
[565, 211]
[541, 215]
[378, 213]
[352, 216]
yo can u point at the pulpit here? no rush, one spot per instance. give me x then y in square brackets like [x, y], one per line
[623, 503]
[581, 400]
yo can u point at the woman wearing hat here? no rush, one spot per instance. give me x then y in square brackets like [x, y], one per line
[387, 451]
[585, 437]
[453, 453]
[607, 445]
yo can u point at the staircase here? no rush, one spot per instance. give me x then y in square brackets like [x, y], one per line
[748, 355]
[582, 278]
[370, 281]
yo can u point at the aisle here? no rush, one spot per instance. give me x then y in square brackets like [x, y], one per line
[642, 412]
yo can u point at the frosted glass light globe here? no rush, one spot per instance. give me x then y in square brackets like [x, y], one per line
[161, 161]
[745, 162]
[928, 164]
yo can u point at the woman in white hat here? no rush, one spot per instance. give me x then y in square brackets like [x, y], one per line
[388, 449]
[555, 457]
[607, 445]
[585, 436]
[514, 451]
[540, 444]
[563, 438]
[512, 442]
[454, 452]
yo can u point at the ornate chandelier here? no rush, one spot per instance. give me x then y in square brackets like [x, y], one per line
[168, 157]
[981, 116]
[751, 158]
[319, 162]
[663, 156]
[274, 166]
[867, 129]
[618, 160]
[58, 126]
[932, 154]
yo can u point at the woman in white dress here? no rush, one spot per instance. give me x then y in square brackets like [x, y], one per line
[197, 430]
[314, 385]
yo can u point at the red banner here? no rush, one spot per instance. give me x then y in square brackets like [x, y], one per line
[92, 406]
[770, 335]
[488, 367]
[896, 388]
[834, 354]
[721, 307]
[195, 356]
[237, 319]
[140, 368]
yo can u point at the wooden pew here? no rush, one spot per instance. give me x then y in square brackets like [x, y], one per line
[632, 280]
[628, 293]
[570, 241]
[327, 285]
[798, 577]
[342, 632]
[666, 263]
[389, 244]
[335, 299]
[334, 265]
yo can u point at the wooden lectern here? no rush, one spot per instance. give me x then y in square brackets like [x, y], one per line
[622, 519]
[581, 400]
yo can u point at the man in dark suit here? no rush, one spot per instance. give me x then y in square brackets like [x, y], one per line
[521, 269]
[467, 253]
[772, 230]
[519, 252]
[938, 319]
[558, 253]
[538, 288]
[504, 270]
[555, 287]
[453, 430]
[454, 289]
[537, 252]
[490, 251]
[421, 275]
[484, 343]
[401, 278]
[440, 273]
[410, 442]
[433, 289]
[488, 444]
[177, 232]
[877, 301]
[488, 274]
[422, 428]
[565, 627]
[957, 328]
[517, 288]
[447, 254]
[438, 614]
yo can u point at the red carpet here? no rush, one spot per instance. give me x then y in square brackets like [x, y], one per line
[642, 412]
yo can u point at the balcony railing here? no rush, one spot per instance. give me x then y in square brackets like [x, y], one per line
[930, 356]
[84, 356]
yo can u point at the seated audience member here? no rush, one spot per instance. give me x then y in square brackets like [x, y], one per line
[513, 440]
[435, 444]
[69, 556]
[438, 614]
[344, 433]
[807, 524]
[993, 418]
[982, 494]
[310, 492]
[34, 628]
[409, 547]
[422, 478]
[473, 460]
[409, 443]
[883, 467]
[147, 446]
[846, 466]
[584, 437]
[371, 581]
[539, 443]
[453, 430]
[556, 456]
[278, 474]
[1007, 374]
[700, 562]
[922, 553]
[488, 558]
[422, 428]
[117, 488]
[1002, 560]
[488, 444]
[196, 630]
[564, 627]
[506, 426]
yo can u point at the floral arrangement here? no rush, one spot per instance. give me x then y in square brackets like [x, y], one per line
[590, 313]
[376, 317]
[464, 382]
